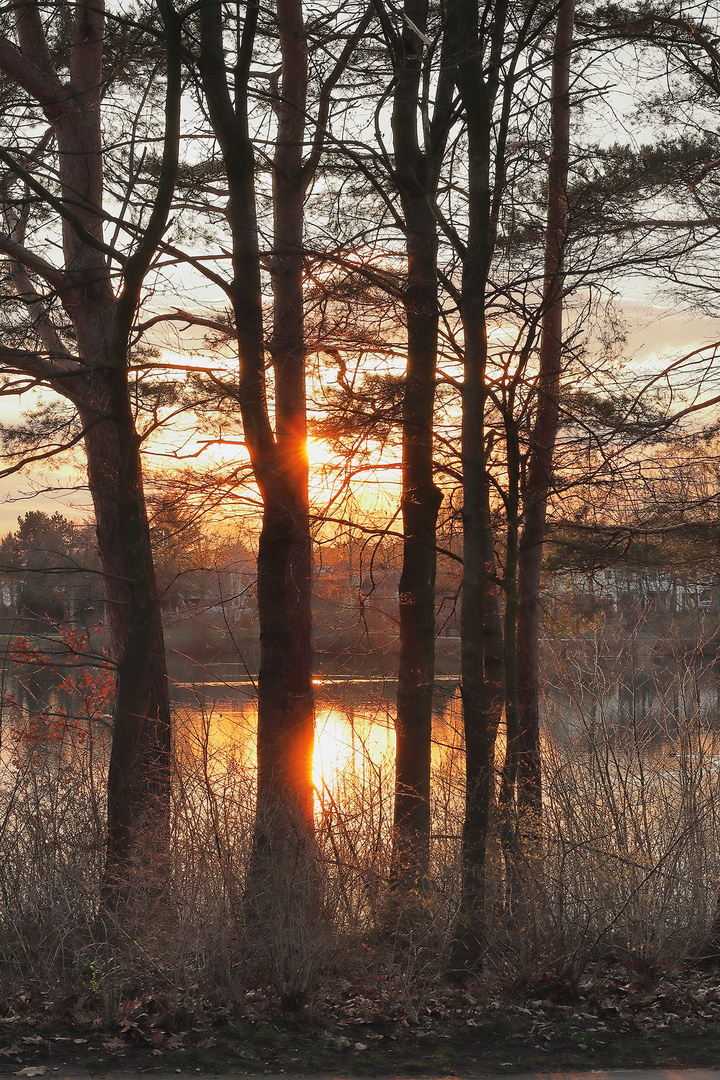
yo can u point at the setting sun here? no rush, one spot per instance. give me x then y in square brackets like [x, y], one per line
[318, 451]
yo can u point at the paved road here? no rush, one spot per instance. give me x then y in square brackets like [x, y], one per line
[70, 1073]
[622, 1074]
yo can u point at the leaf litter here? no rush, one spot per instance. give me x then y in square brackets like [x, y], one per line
[603, 1021]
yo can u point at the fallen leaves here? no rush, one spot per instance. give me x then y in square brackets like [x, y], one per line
[115, 1043]
[387, 1018]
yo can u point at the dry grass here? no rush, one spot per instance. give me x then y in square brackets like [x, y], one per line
[628, 866]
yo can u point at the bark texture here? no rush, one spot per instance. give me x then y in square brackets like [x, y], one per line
[416, 177]
[540, 464]
[95, 377]
[479, 59]
[284, 823]
[290, 182]
[285, 718]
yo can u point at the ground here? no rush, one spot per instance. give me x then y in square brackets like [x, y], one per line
[607, 1022]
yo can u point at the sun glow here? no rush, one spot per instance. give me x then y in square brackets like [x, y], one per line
[333, 748]
[319, 452]
[346, 752]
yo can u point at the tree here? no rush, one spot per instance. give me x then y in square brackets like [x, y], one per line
[285, 800]
[524, 742]
[416, 174]
[278, 455]
[49, 570]
[486, 77]
[77, 344]
[627, 183]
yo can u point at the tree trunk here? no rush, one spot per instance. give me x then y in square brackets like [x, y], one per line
[285, 801]
[507, 804]
[478, 84]
[285, 819]
[138, 779]
[285, 794]
[477, 561]
[420, 504]
[416, 174]
[539, 470]
[96, 381]
[493, 652]
[420, 501]
[512, 718]
[289, 359]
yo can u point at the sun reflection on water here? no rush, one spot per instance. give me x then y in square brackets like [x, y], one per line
[348, 747]
[353, 768]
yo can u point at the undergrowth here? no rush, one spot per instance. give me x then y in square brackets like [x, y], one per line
[625, 873]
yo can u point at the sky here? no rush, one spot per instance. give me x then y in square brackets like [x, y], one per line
[657, 333]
